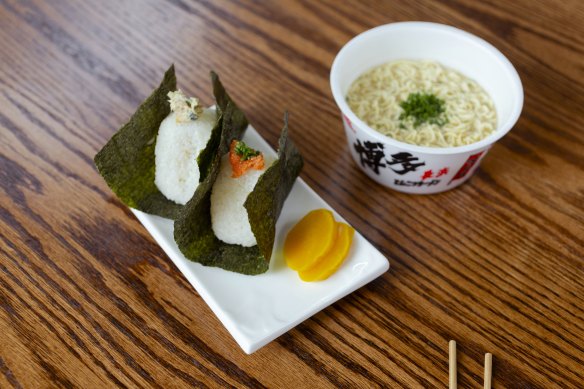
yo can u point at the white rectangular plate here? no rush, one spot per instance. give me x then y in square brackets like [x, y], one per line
[258, 309]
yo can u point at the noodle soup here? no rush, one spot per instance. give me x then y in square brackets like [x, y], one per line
[416, 125]
[423, 103]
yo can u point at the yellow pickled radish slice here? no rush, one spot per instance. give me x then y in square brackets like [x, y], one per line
[330, 261]
[309, 239]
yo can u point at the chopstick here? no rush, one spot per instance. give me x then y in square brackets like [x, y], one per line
[452, 379]
[452, 365]
[488, 370]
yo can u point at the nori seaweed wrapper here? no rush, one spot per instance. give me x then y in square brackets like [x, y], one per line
[236, 125]
[265, 202]
[192, 229]
[127, 161]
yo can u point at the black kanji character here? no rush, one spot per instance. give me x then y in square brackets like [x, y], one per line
[405, 160]
[371, 154]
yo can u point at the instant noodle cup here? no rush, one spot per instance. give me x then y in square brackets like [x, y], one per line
[419, 169]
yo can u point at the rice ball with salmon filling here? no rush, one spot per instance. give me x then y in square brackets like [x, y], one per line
[183, 134]
[239, 172]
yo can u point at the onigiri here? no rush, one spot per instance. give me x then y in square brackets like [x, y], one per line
[182, 135]
[239, 172]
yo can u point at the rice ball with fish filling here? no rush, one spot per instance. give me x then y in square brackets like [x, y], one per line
[229, 218]
[177, 147]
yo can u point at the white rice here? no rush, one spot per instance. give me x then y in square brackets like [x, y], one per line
[229, 218]
[177, 147]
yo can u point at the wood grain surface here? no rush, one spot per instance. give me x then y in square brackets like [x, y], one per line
[89, 300]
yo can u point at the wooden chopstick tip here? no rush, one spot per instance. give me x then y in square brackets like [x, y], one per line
[488, 370]
[452, 379]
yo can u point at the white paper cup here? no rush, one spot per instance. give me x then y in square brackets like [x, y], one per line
[419, 169]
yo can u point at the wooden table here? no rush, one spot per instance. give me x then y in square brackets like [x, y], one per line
[89, 300]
